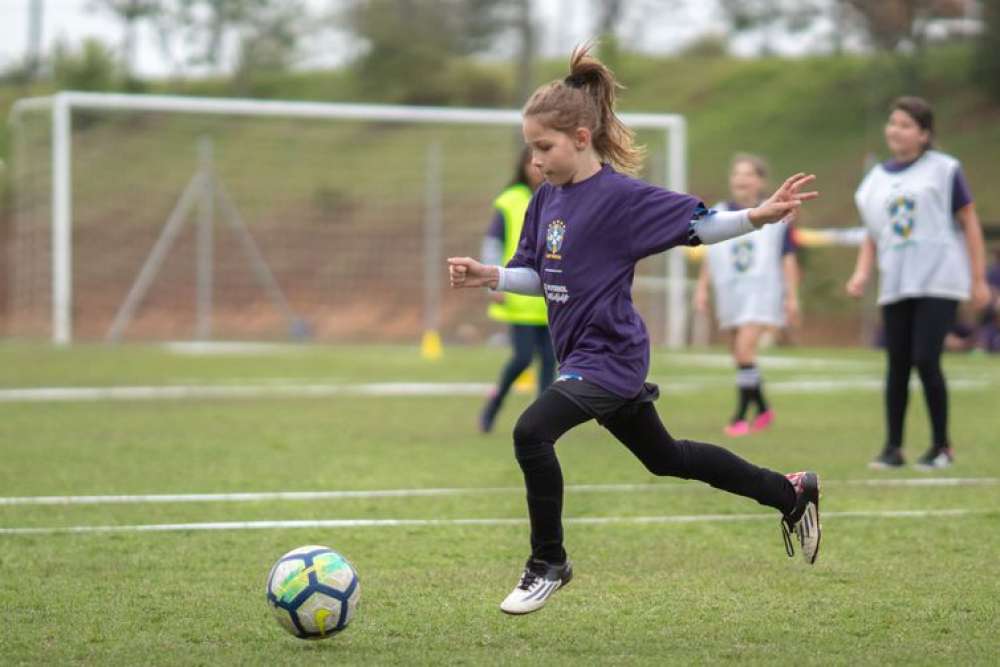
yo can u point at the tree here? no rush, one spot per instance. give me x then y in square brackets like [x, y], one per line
[894, 24]
[899, 28]
[771, 17]
[260, 34]
[129, 13]
[409, 44]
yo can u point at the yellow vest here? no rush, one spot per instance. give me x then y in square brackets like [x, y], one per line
[516, 308]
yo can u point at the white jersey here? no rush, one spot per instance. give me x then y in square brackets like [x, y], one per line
[921, 250]
[747, 276]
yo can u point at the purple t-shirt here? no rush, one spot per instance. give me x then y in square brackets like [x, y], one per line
[961, 195]
[584, 240]
[993, 275]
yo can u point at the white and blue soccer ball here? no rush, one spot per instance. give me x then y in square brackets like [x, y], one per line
[313, 592]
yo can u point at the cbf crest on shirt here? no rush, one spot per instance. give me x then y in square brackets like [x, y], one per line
[554, 238]
[909, 214]
[902, 215]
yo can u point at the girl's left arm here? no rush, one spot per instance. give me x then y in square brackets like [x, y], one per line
[969, 221]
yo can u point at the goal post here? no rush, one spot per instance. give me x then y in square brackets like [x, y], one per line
[356, 163]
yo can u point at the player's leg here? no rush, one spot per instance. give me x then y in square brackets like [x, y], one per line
[547, 358]
[897, 320]
[522, 344]
[738, 424]
[796, 496]
[933, 319]
[749, 377]
[535, 435]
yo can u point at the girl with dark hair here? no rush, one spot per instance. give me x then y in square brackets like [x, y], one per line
[586, 228]
[924, 230]
[526, 316]
[755, 281]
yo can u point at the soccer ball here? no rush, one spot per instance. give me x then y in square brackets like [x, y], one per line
[313, 592]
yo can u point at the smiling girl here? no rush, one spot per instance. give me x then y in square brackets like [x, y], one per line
[923, 228]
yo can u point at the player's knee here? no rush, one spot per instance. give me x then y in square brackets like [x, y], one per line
[668, 460]
[530, 442]
[928, 369]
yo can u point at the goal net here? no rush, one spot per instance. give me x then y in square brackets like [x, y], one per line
[165, 218]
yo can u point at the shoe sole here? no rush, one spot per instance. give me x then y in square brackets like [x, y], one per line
[814, 518]
[930, 467]
[562, 584]
[819, 528]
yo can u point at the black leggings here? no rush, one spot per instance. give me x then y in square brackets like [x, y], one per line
[915, 330]
[638, 427]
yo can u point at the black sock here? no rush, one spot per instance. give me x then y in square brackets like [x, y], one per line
[758, 397]
[748, 382]
[744, 403]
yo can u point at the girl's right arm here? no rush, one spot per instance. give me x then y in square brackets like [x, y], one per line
[467, 272]
[862, 268]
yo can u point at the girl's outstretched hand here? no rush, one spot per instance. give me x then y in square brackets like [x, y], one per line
[785, 201]
[467, 272]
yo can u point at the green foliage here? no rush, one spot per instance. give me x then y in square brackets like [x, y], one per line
[709, 45]
[92, 67]
[410, 45]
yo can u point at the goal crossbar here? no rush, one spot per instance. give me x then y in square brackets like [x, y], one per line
[61, 106]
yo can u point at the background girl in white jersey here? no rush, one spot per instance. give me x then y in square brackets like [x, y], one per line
[924, 231]
[755, 281]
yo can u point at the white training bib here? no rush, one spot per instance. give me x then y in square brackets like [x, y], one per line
[747, 277]
[921, 250]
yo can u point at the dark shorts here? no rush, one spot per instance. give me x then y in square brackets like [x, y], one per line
[597, 401]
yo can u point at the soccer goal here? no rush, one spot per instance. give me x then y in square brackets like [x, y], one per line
[139, 217]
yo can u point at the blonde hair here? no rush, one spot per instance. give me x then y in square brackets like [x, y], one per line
[586, 98]
[758, 164]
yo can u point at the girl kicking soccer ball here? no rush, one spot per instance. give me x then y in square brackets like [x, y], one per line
[584, 231]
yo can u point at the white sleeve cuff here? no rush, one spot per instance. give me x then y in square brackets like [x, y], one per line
[719, 226]
[520, 280]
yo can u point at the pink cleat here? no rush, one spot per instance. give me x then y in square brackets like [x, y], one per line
[737, 429]
[762, 421]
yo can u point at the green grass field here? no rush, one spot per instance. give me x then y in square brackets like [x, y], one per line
[918, 588]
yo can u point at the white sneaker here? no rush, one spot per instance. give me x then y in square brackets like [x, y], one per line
[538, 582]
[803, 521]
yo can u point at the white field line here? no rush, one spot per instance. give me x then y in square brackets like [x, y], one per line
[710, 360]
[266, 496]
[210, 348]
[400, 389]
[386, 523]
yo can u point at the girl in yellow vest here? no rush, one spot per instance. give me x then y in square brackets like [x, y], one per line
[529, 329]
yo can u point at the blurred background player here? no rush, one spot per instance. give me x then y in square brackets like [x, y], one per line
[755, 285]
[529, 328]
[924, 230]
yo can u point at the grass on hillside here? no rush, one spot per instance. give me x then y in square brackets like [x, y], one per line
[885, 590]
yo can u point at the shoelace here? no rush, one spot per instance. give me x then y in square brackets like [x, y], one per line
[527, 580]
[789, 546]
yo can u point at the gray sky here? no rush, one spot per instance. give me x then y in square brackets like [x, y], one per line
[563, 23]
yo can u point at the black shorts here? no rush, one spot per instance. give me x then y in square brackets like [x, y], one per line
[597, 401]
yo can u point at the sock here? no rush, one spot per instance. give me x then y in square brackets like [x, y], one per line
[748, 381]
[744, 403]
